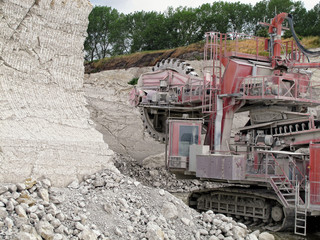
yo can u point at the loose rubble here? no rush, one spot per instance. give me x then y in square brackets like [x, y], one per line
[107, 205]
[159, 177]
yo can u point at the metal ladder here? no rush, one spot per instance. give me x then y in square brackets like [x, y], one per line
[300, 221]
[211, 56]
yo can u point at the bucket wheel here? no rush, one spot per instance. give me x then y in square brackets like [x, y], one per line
[154, 123]
[175, 65]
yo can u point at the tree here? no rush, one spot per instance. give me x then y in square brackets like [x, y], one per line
[111, 33]
[236, 23]
[98, 44]
[312, 21]
[182, 27]
[147, 31]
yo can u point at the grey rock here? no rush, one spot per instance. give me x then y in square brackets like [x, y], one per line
[256, 232]
[87, 234]
[3, 189]
[197, 235]
[56, 199]
[266, 236]
[169, 210]
[55, 223]
[217, 222]
[58, 237]
[20, 211]
[118, 232]
[12, 188]
[161, 192]
[123, 202]
[74, 184]
[239, 232]
[136, 183]
[207, 218]
[25, 236]
[60, 216]
[9, 223]
[49, 217]
[130, 229]
[154, 232]
[46, 183]
[229, 238]
[213, 238]
[32, 209]
[60, 229]
[44, 194]
[99, 182]
[108, 208]
[45, 229]
[137, 212]
[10, 206]
[21, 186]
[242, 225]
[79, 226]
[25, 206]
[185, 221]
[203, 232]
[15, 195]
[251, 237]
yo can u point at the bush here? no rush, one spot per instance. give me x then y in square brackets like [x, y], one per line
[133, 81]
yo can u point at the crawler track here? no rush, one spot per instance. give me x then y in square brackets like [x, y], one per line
[255, 206]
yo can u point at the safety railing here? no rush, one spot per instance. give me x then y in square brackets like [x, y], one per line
[299, 175]
[266, 164]
[192, 91]
[257, 87]
[248, 46]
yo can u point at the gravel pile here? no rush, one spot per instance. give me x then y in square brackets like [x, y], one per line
[107, 205]
[159, 177]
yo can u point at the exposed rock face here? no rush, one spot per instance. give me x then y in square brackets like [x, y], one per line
[108, 97]
[44, 124]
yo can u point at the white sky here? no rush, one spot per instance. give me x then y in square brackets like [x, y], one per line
[128, 6]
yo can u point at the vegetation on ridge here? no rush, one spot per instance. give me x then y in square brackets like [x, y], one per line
[111, 33]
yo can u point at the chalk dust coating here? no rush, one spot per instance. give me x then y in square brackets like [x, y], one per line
[108, 101]
[45, 128]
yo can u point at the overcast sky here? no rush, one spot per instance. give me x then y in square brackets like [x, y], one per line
[127, 6]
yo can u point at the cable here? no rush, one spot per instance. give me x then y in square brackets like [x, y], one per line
[300, 46]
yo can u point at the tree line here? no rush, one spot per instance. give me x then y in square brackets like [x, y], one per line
[112, 33]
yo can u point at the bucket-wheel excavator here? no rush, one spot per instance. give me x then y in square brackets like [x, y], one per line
[272, 162]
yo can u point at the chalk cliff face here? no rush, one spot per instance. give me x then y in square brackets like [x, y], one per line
[45, 127]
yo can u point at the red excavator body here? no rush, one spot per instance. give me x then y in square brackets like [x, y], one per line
[272, 160]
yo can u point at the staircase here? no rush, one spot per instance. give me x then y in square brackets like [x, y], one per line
[284, 190]
[290, 197]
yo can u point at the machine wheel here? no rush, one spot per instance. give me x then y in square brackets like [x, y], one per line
[154, 124]
[154, 120]
[277, 213]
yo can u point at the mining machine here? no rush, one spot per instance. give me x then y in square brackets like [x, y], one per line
[272, 162]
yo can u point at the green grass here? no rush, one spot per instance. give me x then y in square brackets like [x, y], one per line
[150, 58]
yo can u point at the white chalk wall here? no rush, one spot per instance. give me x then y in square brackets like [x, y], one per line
[45, 127]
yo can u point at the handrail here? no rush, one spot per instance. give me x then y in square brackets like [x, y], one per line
[301, 174]
[284, 174]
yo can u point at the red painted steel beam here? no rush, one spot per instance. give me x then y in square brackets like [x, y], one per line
[303, 65]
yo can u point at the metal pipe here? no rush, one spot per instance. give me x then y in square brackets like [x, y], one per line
[218, 123]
